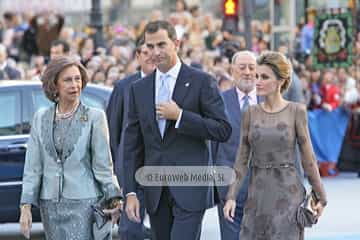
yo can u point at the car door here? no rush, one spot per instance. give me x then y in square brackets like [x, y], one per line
[12, 152]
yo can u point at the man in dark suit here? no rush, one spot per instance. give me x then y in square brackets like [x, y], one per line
[237, 99]
[172, 113]
[7, 72]
[117, 118]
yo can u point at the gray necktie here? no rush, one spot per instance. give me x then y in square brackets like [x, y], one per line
[163, 96]
[245, 103]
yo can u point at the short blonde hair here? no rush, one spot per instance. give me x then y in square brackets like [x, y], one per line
[280, 66]
[51, 74]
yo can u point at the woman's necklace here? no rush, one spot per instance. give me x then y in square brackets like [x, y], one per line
[67, 114]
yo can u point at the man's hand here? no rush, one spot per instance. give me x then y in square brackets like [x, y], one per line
[168, 110]
[229, 210]
[133, 208]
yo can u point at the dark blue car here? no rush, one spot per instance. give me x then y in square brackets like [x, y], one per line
[19, 100]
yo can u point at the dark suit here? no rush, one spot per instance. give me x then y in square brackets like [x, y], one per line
[117, 117]
[203, 119]
[9, 73]
[116, 114]
[224, 154]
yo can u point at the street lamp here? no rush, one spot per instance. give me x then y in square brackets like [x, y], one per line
[248, 11]
[96, 23]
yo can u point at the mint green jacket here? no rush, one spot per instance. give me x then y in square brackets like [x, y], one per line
[87, 172]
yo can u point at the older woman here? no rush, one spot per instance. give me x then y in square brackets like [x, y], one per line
[68, 165]
[269, 134]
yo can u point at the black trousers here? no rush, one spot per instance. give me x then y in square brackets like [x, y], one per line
[171, 222]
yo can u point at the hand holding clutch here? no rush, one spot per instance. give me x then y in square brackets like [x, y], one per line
[309, 211]
[104, 211]
[114, 211]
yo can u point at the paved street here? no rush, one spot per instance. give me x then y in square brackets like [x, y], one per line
[341, 220]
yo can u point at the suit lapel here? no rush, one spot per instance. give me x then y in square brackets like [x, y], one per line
[234, 106]
[47, 133]
[148, 93]
[183, 83]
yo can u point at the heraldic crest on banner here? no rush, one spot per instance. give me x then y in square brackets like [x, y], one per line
[333, 40]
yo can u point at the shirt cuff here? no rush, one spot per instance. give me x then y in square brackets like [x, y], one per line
[131, 194]
[178, 120]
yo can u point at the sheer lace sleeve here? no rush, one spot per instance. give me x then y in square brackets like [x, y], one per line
[241, 163]
[307, 154]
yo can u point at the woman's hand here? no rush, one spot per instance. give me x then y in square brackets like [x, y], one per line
[114, 212]
[319, 208]
[229, 210]
[25, 220]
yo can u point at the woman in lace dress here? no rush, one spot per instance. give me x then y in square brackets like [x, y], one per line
[68, 166]
[270, 131]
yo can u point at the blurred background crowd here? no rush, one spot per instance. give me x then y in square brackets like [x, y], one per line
[29, 38]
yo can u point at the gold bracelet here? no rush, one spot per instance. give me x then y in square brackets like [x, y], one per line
[24, 205]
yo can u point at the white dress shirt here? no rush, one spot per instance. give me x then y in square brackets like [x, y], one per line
[173, 74]
[252, 97]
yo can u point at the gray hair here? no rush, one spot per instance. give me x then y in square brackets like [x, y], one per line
[242, 53]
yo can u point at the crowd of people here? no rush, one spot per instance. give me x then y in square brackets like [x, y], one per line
[28, 41]
[26, 46]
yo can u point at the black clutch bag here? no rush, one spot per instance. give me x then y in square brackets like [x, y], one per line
[306, 215]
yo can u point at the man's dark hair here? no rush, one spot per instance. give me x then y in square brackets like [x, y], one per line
[139, 43]
[57, 42]
[153, 27]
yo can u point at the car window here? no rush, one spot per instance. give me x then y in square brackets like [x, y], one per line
[40, 100]
[92, 101]
[10, 120]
